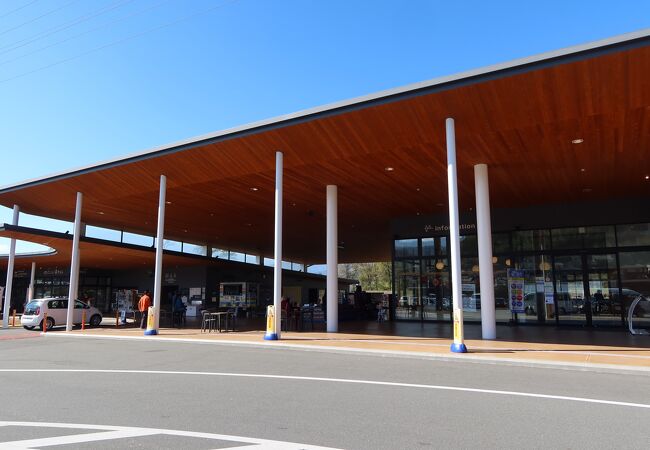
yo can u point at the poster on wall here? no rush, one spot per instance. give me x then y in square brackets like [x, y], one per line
[516, 290]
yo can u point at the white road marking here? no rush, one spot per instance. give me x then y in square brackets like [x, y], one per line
[341, 380]
[106, 432]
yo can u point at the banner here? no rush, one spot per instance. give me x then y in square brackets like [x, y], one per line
[516, 290]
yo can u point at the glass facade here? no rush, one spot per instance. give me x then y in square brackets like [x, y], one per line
[571, 276]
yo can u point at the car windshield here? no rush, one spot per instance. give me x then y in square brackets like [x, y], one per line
[31, 308]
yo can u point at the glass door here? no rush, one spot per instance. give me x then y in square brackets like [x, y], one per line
[570, 290]
[603, 292]
[586, 290]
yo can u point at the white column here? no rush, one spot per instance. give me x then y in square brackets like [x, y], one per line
[277, 250]
[160, 243]
[332, 260]
[458, 345]
[10, 272]
[30, 291]
[74, 264]
[484, 234]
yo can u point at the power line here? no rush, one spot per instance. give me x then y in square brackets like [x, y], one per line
[59, 28]
[119, 41]
[18, 9]
[62, 41]
[52, 11]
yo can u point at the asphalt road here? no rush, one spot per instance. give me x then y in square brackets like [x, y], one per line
[241, 394]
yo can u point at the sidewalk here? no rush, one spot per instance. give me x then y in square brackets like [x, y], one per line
[634, 355]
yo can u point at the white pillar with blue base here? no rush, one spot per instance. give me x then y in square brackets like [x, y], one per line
[273, 333]
[458, 346]
[160, 243]
[10, 273]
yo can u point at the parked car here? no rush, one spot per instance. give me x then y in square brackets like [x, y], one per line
[57, 310]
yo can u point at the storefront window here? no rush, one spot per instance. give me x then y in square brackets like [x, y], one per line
[436, 289]
[406, 248]
[635, 277]
[500, 243]
[407, 289]
[538, 288]
[583, 237]
[531, 240]
[434, 246]
[471, 290]
[631, 235]
[468, 245]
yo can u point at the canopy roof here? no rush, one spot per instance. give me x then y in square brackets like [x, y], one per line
[519, 118]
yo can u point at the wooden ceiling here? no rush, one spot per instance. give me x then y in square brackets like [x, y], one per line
[521, 124]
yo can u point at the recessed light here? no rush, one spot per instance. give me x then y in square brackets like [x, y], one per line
[211, 214]
[389, 169]
[293, 204]
[417, 213]
[249, 224]
[647, 177]
[587, 190]
[582, 170]
[417, 189]
[577, 141]
[101, 213]
[184, 231]
[168, 202]
[254, 189]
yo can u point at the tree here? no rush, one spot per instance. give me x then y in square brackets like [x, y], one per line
[375, 276]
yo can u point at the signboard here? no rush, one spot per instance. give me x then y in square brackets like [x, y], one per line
[516, 290]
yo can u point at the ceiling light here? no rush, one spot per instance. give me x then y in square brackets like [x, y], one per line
[293, 204]
[389, 169]
[101, 213]
[440, 204]
[587, 190]
[211, 214]
[417, 213]
[168, 202]
[184, 231]
[254, 189]
[440, 265]
[647, 177]
[582, 170]
[249, 224]
[417, 189]
[577, 141]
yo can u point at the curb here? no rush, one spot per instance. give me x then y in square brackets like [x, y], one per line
[463, 358]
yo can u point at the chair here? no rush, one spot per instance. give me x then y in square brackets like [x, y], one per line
[208, 321]
[232, 317]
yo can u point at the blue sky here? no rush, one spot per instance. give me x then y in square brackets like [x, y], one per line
[86, 80]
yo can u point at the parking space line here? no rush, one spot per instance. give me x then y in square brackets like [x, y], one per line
[106, 432]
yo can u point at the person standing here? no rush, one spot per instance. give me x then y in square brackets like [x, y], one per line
[143, 307]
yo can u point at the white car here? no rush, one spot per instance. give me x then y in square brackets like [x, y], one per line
[57, 310]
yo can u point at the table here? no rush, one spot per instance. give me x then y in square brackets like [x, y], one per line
[217, 316]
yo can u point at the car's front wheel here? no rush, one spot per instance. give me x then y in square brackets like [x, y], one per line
[95, 320]
[50, 324]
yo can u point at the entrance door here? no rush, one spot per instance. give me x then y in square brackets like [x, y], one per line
[586, 289]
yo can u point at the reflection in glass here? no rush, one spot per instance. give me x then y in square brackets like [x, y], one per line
[406, 248]
[436, 290]
[636, 234]
[407, 289]
[583, 237]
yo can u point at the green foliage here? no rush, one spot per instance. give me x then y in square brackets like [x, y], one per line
[376, 276]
